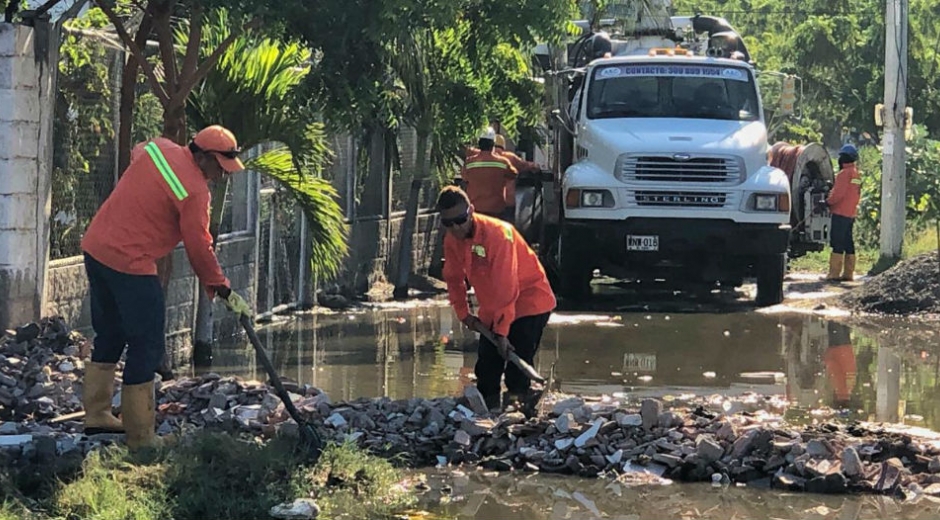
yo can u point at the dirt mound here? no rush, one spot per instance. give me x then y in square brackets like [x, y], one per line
[911, 287]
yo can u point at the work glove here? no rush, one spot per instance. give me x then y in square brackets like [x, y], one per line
[234, 302]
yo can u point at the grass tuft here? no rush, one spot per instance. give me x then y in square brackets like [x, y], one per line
[209, 476]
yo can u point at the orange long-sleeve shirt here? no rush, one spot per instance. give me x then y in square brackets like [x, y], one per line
[520, 164]
[149, 213]
[846, 193]
[486, 174]
[507, 276]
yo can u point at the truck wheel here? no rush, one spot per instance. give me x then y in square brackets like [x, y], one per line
[770, 271]
[575, 283]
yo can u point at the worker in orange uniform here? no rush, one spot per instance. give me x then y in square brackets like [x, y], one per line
[511, 287]
[843, 204]
[485, 175]
[521, 166]
[162, 198]
[841, 369]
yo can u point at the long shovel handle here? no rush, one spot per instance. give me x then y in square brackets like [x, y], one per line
[514, 358]
[278, 386]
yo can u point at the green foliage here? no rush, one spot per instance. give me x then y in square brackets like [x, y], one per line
[215, 475]
[838, 48]
[922, 187]
[444, 67]
[254, 91]
[317, 198]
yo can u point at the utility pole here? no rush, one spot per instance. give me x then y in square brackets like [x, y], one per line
[893, 194]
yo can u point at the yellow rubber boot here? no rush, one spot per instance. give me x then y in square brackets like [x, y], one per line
[835, 267]
[848, 270]
[137, 406]
[97, 391]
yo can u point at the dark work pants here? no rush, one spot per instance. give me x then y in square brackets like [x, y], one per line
[525, 334]
[127, 310]
[840, 236]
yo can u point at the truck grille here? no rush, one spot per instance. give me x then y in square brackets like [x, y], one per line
[682, 199]
[669, 169]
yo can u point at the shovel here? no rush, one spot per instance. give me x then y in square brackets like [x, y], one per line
[514, 358]
[309, 437]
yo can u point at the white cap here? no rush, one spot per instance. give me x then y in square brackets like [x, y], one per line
[489, 133]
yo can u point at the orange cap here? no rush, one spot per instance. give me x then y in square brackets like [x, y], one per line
[220, 141]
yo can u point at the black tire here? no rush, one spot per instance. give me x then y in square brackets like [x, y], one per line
[770, 271]
[574, 273]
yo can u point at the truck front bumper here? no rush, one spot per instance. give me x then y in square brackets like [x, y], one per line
[677, 238]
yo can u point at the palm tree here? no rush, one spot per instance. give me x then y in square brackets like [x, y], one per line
[254, 91]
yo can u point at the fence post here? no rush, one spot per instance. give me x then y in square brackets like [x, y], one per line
[406, 240]
[27, 101]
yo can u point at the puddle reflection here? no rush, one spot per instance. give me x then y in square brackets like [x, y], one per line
[424, 352]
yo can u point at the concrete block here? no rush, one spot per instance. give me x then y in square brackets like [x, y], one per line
[19, 73]
[18, 211]
[15, 106]
[16, 40]
[17, 247]
[19, 140]
[18, 176]
[21, 300]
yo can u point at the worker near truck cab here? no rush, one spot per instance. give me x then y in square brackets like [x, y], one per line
[485, 175]
[162, 198]
[843, 204]
[511, 287]
[521, 166]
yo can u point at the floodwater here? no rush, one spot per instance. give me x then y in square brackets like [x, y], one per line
[822, 369]
[819, 370]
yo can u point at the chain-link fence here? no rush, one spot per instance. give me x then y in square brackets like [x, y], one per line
[84, 167]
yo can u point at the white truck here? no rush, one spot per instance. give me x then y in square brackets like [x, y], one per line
[660, 166]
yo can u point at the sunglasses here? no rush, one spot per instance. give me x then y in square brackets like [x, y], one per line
[231, 154]
[456, 221]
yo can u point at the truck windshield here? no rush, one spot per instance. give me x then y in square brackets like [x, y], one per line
[683, 91]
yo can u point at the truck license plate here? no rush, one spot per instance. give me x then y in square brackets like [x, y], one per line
[639, 362]
[642, 242]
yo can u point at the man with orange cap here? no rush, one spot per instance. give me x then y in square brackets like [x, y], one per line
[511, 287]
[162, 198]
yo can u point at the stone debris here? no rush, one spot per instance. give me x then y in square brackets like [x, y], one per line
[695, 439]
[299, 509]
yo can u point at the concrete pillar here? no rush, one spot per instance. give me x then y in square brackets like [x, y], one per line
[28, 59]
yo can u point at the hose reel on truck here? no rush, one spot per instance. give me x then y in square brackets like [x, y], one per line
[809, 170]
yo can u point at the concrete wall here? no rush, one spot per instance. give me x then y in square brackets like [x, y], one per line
[67, 294]
[27, 80]
[374, 248]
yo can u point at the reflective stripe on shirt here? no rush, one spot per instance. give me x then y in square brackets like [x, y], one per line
[168, 175]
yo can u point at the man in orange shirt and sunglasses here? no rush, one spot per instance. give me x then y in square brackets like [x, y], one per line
[162, 198]
[515, 297]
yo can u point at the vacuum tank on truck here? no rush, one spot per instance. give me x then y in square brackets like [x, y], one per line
[661, 168]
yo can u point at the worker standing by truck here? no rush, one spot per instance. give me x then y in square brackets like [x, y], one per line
[511, 287]
[521, 166]
[486, 174]
[843, 204]
[162, 198]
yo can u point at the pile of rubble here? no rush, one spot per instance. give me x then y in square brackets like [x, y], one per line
[910, 288]
[695, 440]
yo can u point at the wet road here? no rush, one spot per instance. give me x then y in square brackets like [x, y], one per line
[818, 369]
[821, 368]
[478, 496]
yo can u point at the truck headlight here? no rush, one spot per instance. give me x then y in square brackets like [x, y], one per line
[578, 198]
[771, 202]
[765, 202]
